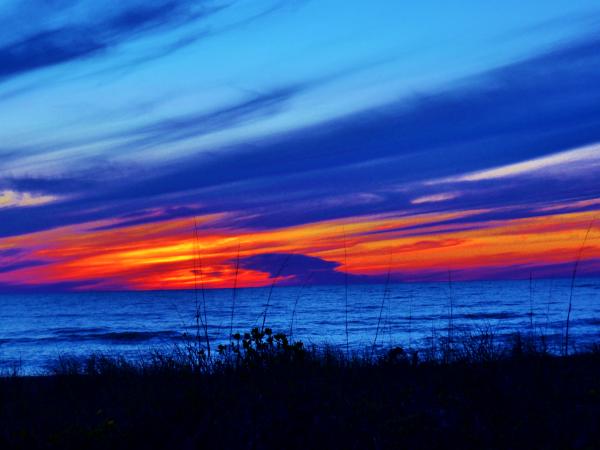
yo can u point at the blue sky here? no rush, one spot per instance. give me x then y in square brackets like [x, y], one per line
[283, 113]
[79, 71]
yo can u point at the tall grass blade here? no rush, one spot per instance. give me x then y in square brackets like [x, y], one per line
[385, 294]
[346, 292]
[268, 304]
[200, 272]
[304, 285]
[450, 314]
[410, 300]
[234, 295]
[573, 276]
[531, 303]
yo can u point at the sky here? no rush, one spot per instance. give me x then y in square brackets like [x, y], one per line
[159, 145]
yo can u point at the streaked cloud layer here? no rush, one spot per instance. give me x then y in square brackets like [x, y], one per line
[577, 160]
[467, 139]
[12, 199]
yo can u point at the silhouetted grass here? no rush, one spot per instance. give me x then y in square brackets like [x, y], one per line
[572, 290]
[264, 392]
[198, 270]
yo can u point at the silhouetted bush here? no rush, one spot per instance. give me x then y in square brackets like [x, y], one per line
[262, 391]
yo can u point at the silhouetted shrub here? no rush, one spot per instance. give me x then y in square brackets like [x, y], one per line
[263, 391]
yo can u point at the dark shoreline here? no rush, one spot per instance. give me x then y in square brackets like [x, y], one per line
[264, 393]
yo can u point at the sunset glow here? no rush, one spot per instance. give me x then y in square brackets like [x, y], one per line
[422, 247]
[459, 140]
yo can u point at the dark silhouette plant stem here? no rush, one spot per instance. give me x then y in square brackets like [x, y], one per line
[531, 302]
[235, 280]
[410, 299]
[548, 307]
[573, 276]
[385, 294]
[346, 292]
[195, 271]
[202, 290]
[304, 285]
[450, 313]
[201, 274]
[277, 275]
[433, 349]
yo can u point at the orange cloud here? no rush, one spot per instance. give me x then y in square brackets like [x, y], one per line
[161, 255]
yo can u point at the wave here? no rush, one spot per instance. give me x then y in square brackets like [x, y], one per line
[77, 330]
[110, 336]
[100, 334]
[589, 321]
[488, 315]
[135, 335]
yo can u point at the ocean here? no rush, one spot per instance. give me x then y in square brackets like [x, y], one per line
[37, 329]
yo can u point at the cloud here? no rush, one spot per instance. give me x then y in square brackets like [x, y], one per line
[99, 31]
[584, 158]
[81, 285]
[586, 268]
[12, 199]
[468, 128]
[154, 141]
[160, 256]
[44, 49]
[434, 198]
[152, 216]
[298, 268]
[10, 252]
[473, 127]
[20, 265]
[581, 205]
[195, 125]
[58, 186]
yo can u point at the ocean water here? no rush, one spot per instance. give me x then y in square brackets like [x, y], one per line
[36, 329]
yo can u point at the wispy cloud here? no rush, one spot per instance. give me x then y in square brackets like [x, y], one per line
[280, 191]
[12, 199]
[60, 39]
[561, 162]
[570, 205]
[434, 198]
[161, 255]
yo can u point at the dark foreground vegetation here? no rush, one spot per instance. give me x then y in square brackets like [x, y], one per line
[262, 392]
